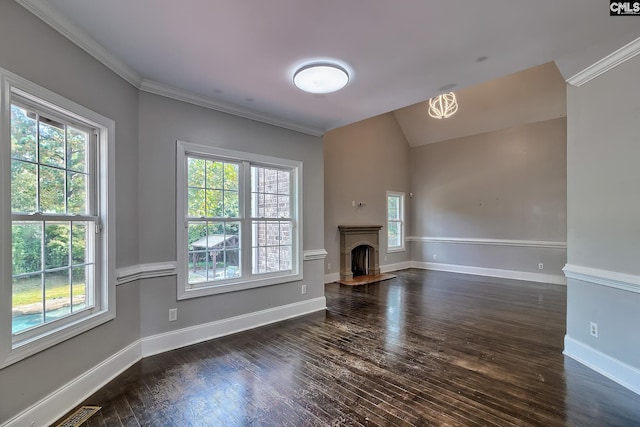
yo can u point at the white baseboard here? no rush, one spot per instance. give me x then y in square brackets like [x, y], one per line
[51, 408]
[331, 277]
[623, 374]
[492, 272]
[183, 337]
[395, 267]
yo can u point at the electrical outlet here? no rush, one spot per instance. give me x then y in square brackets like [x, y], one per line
[541, 266]
[173, 314]
[435, 257]
[594, 329]
[303, 289]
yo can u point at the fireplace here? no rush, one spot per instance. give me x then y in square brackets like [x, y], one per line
[359, 250]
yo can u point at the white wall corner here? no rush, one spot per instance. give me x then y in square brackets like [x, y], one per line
[612, 279]
[46, 411]
[617, 371]
[605, 64]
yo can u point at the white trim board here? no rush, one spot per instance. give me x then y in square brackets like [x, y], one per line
[491, 272]
[612, 279]
[55, 405]
[617, 371]
[605, 64]
[313, 254]
[490, 242]
[145, 271]
[195, 334]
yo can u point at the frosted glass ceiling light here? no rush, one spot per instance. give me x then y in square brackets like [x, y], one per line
[321, 78]
[443, 106]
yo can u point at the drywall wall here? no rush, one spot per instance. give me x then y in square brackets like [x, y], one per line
[603, 218]
[488, 192]
[362, 162]
[33, 50]
[163, 121]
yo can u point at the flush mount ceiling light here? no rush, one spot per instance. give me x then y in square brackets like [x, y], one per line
[443, 106]
[321, 78]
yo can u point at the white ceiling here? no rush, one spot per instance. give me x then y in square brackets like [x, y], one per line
[239, 56]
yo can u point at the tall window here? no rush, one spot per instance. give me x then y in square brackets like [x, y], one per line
[395, 221]
[57, 279]
[239, 217]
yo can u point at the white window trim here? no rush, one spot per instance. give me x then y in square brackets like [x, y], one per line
[183, 149]
[12, 83]
[402, 221]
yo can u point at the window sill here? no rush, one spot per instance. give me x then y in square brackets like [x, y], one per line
[394, 250]
[223, 288]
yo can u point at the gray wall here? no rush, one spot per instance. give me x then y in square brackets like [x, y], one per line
[362, 162]
[604, 208]
[36, 52]
[508, 184]
[162, 122]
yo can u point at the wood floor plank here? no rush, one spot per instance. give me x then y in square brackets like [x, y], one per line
[422, 349]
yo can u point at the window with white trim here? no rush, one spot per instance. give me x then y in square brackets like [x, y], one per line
[395, 221]
[54, 185]
[238, 220]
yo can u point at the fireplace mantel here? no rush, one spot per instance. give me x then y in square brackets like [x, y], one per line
[352, 236]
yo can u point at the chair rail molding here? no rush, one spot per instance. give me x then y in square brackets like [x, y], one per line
[490, 242]
[612, 279]
[145, 271]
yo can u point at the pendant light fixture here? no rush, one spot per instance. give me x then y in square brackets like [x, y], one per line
[443, 106]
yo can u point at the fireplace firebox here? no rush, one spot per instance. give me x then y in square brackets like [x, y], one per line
[359, 250]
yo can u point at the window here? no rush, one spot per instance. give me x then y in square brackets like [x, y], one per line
[238, 220]
[395, 221]
[54, 186]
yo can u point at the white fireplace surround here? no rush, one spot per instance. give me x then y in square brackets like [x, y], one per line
[352, 236]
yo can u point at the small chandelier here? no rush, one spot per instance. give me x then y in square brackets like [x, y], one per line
[443, 106]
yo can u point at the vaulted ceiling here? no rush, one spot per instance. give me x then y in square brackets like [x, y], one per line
[239, 56]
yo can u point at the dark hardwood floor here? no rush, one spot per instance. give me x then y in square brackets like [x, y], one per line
[425, 348]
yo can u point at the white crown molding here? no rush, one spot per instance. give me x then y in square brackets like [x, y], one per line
[491, 272]
[145, 271]
[167, 91]
[47, 13]
[313, 254]
[490, 242]
[612, 279]
[605, 64]
[623, 374]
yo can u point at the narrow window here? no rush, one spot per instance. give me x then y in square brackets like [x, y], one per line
[395, 221]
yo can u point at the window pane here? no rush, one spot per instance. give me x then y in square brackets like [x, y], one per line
[52, 190]
[394, 211]
[195, 172]
[285, 258]
[77, 193]
[393, 234]
[270, 207]
[26, 247]
[285, 233]
[197, 252]
[27, 306]
[214, 206]
[259, 260]
[232, 259]
[257, 205]
[273, 234]
[231, 207]
[57, 291]
[79, 288]
[232, 232]
[77, 149]
[52, 151]
[273, 258]
[24, 187]
[270, 181]
[23, 134]
[215, 175]
[196, 202]
[231, 176]
[284, 207]
[284, 178]
[56, 245]
[79, 253]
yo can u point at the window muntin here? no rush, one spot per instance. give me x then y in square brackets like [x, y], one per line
[56, 245]
[240, 216]
[395, 221]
